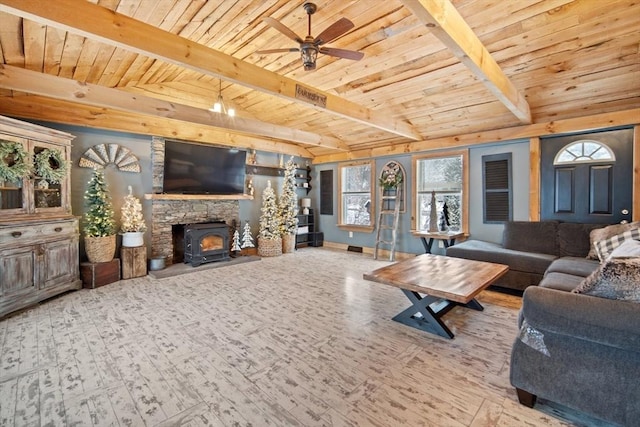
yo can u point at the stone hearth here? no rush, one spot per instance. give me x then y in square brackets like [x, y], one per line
[166, 213]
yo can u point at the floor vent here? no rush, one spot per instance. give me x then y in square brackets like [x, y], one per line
[355, 249]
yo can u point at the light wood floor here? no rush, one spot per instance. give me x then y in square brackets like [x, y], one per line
[296, 340]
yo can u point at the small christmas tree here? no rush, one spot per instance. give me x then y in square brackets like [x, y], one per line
[247, 239]
[269, 219]
[235, 246]
[99, 218]
[288, 207]
[131, 214]
[269, 239]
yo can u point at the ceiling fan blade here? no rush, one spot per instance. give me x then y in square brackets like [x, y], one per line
[282, 28]
[291, 49]
[333, 31]
[342, 53]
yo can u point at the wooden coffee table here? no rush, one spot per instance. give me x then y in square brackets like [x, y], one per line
[435, 284]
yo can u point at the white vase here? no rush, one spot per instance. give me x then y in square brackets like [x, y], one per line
[132, 239]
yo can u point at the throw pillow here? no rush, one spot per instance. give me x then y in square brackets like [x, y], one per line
[605, 247]
[618, 279]
[628, 249]
[606, 232]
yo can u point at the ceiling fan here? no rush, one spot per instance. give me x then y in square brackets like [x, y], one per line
[310, 46]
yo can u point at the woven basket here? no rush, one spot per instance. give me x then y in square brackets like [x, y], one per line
[269, 247]
[100, 249]
[288, 243]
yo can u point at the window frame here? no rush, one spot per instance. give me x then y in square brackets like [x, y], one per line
[464, 154]
[508, 190]
[372, 186]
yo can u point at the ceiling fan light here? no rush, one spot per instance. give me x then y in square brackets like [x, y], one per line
[309, 54]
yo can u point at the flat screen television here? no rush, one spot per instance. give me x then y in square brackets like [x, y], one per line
[191, 168]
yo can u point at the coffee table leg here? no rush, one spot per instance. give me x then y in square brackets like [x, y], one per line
[473, 304]
[429, 320]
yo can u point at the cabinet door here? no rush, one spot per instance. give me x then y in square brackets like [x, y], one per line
[59, 262]
[13, 195]
[17, 271]
[49, 196]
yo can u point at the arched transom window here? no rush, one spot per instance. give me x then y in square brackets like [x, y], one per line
[585, 151]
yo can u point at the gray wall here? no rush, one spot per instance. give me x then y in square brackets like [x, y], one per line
[477, 229]
[140, 145]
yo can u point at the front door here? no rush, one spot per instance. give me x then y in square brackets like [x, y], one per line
[587, 178]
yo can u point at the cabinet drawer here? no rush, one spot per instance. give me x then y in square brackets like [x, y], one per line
[25, 234]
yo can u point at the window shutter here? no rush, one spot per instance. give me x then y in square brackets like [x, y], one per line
[496, 183]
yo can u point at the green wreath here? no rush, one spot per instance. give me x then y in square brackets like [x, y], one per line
[15, 162]
[50, 165]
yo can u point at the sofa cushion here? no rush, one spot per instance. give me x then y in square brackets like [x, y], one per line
[575, 266]
[606, 232]
[539, 237]
[492, 252]
[605, 247]
[618, 278]
[561, 281]
[628, 249]
[573, 238]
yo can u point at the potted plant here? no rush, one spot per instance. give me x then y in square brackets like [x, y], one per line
[288, 208]
[269, 239]
[99, 222]
[132, 221]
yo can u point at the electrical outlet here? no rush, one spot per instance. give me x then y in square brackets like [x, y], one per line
[350, 234]
[440, 244]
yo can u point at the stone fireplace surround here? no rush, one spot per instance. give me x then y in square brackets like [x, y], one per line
[166, 212]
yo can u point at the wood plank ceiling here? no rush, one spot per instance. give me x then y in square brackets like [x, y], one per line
[431, 69]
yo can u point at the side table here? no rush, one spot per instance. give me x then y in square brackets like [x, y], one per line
[447, 237]
[134, 261]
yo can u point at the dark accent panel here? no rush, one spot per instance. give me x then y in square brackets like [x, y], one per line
[496, 175]
[496, 185]
[601, 189]
[564, 197]
[326, 192]
[496, 207]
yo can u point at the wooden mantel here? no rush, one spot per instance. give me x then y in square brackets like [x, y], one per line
[198, 197]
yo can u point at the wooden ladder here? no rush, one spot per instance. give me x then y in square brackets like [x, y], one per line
[388, 222]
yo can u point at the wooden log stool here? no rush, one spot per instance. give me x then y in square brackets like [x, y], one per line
[134, 261]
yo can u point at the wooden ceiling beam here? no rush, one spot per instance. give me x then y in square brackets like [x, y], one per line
[444, 21]
[98, 96]
[64, 112]
[558, 127]
[96, 22]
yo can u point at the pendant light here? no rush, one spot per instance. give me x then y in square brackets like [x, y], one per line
[219, 106]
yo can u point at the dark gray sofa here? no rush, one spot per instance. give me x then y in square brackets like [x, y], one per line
[579, 350]
[531, 248]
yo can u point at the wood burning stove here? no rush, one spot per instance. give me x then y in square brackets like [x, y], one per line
[206, 242]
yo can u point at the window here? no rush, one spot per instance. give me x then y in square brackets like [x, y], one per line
[585, 151]
[356, 195]
[443, 175]
[496, 188]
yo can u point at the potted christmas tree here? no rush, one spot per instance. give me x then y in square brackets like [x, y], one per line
[288, 208]
[133, 226]
[99, 222]
[269, 240]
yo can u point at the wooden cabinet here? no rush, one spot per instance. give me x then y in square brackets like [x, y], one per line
[38, 233]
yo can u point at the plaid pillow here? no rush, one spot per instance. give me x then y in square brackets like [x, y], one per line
[605, 247]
